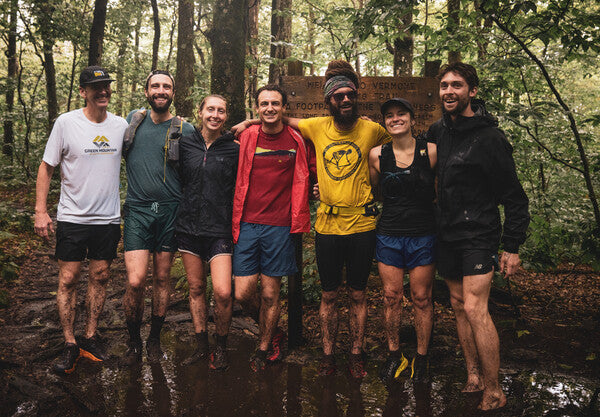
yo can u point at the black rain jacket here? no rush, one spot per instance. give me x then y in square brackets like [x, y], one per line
[476, 173]
[208, 183]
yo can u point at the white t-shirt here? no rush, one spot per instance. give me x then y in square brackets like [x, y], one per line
[89, 155]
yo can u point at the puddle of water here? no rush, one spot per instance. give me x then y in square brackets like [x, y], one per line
[171, 389]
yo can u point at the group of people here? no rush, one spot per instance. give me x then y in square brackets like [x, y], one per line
[237, 204]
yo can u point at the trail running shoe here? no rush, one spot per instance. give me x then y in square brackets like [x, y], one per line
[327, 366]
[66, 363]
[153, 350]
[133, 354]
[258, 363]
[200, 354]
[392, 368]
[219, 359]
[356, 366]
[419, 368]
[275, 352]
[93, 349]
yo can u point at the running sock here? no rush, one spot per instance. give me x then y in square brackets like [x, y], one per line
[202, 340]
[419, 357]
[222, 341]
[156, 326]
[133, 328]
[395, 353]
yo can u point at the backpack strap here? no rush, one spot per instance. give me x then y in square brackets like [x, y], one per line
[136, 120]
[172, 140]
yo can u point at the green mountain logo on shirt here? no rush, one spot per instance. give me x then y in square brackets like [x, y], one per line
[101, 142]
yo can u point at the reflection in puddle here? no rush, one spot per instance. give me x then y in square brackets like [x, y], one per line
[171, 389]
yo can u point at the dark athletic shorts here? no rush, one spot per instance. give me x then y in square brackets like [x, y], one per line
[205, 248]
[96, 241]
[150, 226]
[406, 252]
[355, 251]
[265, 249]
[454, 264]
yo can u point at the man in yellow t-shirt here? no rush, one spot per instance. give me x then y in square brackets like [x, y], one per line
[346, 218]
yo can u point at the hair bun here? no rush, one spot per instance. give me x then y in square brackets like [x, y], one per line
[341, 67]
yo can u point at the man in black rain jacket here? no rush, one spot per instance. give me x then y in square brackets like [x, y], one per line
[476, 173]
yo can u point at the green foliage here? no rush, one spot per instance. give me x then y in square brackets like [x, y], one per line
[4, 299]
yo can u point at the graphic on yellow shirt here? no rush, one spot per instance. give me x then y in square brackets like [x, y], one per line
[341, 159]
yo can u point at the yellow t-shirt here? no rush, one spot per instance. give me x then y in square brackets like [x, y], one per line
[343, 171]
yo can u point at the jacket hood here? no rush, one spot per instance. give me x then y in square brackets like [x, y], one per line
[480, 120]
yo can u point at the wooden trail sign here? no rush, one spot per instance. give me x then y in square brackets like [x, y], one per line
[305, 97]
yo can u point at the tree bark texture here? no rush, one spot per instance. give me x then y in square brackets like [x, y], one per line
[453, 24]
[184, 77]
[281, 37]
[252, 51]
[97, 33]
[228, 43]
[156, 41]
[403, 48]
[11, 80]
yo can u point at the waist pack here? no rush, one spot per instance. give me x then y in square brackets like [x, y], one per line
[171, 142]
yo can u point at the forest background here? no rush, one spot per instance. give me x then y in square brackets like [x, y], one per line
[538, 62]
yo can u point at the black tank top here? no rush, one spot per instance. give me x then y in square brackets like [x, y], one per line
[408, 194]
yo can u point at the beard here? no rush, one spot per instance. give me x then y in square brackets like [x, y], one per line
[461, 105]
[344, 119]
[160, 109]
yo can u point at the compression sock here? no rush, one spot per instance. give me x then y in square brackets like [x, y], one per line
[133, 328]
[156, 326]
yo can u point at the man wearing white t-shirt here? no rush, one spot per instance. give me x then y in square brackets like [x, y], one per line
[87, 144]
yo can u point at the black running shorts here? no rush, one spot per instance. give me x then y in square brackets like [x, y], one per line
[75, 242]
[455, 263]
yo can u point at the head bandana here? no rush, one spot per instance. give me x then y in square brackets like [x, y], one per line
[339, 81]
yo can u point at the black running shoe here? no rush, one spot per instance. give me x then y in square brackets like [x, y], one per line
[258, 362]
[392, 368]
[356, 366]
[420, 368]
[327, 366]
[66, 363]
[155, 353]
[219, 359]
[133, 355]
[93, 349]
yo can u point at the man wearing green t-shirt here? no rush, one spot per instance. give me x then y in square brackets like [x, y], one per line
[153, 194]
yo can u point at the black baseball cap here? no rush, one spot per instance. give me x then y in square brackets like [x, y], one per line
[93, 74]
[397, 102]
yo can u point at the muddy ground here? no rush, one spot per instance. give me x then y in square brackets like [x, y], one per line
[552, 328]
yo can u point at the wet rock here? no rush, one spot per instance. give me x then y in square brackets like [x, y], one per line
[28, 408]
[523, 355]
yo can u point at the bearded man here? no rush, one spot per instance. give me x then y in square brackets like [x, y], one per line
[153, 194]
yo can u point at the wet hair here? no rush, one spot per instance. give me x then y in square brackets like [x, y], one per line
[271, 87]
[159, 72]
[341, 67]
[468, 72]
[203, 102]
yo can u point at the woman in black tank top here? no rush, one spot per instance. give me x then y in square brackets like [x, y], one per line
[402, 170]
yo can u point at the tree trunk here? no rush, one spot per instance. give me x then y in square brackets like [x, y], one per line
[252, 51]
[97, 33]
[452, 27]
[156, 41]
[120, 84]
[403, 48]
[11, 55]
[136, 54]
[311, 37]
[171, 36]
[281, 37]
[184, 77]
[228, 44]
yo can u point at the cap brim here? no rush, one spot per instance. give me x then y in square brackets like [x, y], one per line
[98, 81]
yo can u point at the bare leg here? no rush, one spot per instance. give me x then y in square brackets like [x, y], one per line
[476, 292]
[421, 284]
[269, 309]
[196, 276]
[465, 336]
[220, 272]
[329, 320]
[246, 288]
[358, 319]
[136, 263]
[66, 296]
[161, 284]
[393, 280]
[96, 293]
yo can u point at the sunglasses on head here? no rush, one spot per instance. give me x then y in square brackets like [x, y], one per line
[339, 97]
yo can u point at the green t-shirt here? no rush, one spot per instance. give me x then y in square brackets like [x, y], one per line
[150, 178]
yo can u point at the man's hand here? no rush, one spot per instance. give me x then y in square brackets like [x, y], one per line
[315, 191]
[43, 224]
[509, 263]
